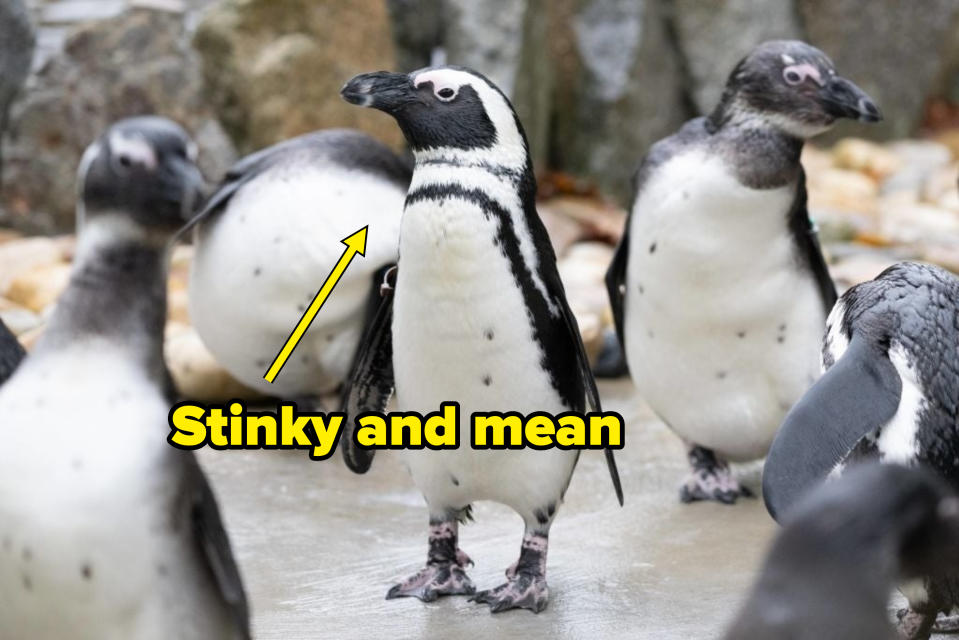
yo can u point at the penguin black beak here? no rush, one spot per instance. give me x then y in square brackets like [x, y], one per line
[843, 99]
[381, 90]
[188, 185]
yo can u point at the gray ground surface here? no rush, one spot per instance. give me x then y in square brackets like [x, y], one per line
[320, 546]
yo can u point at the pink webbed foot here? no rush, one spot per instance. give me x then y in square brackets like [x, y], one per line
[711, 479]
[445, 570]
[526, 586]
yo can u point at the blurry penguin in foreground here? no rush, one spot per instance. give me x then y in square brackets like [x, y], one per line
[107, 531]
[267, 240]
[479, 317]
[718, 286]
[831, 571]
[11, 353]
[890, 393]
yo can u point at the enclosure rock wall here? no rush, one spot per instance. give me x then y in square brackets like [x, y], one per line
[595, 82]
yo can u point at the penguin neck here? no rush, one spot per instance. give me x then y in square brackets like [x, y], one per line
[117, 291]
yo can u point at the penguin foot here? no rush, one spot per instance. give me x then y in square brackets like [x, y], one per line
[914, 625]
[435, 580]
[710, 479]
[522, 591]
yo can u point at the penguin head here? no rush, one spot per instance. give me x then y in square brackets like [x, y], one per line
[908, 516]
[445, 110]
[795, 88]
[142, 169]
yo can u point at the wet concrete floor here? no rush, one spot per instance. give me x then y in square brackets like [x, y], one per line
[319, 547]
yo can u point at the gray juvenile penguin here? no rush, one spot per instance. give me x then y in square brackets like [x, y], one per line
[833, 567]
[479, 317]
[890, 392]
[718, 286]
[107, 531]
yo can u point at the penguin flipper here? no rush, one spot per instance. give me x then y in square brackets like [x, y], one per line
[806, 238]
[855, 397]
[592, 393]
[214, 547]
[371, 380]
[11, 353]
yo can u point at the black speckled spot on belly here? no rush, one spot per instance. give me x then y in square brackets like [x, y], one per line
[86, 571]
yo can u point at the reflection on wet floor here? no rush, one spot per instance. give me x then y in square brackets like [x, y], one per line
[320, 546]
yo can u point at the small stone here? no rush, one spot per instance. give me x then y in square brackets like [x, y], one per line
[38, 289]
[842, 190]
[866, 157]
[904, 219]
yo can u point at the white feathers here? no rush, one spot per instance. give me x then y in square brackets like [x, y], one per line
[131, 148]
[835, 342]
[897, 440]
[723, 327]
[259, 263]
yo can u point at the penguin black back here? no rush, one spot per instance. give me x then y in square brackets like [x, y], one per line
[830, 572]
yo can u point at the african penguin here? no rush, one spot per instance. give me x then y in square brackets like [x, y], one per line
[268, 239]
[718, 286]
[11, 353]
[833, 567]
[479, 316]
[889, 393]
[106, 531]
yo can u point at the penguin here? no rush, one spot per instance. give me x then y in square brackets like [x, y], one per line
[268, 238]
[475, 313]
[831, 570]
[889, 393]
[718, 287]
[106, 530]
[11, 353]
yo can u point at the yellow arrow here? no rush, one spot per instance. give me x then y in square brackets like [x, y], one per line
[355, 244]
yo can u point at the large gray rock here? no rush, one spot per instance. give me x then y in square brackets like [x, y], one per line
[136, 63]
[715, 36]
[16, 52]
[623, 89]
[273, 70]
[894, 50]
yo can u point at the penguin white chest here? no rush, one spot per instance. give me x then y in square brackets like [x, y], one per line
[82, 486]
[462, 331]
[260, 262]
[723, 324]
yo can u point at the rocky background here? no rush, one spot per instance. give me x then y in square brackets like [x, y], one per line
[595, 83]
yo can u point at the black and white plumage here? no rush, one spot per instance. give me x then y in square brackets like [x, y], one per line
[11, 353]
[269, 237]
[833, 567]
[888, 393]
[718, 287]
[479, 316]
[106, 531]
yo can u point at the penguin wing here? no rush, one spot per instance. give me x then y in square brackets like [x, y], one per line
[807, 241]
[11, 353]
[214, 546]
[370, 384]
[855, 397]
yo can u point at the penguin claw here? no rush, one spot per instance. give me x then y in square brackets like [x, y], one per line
[914, 625]
[716, 484]
[435, 580]
[522, 591]
[946, 625]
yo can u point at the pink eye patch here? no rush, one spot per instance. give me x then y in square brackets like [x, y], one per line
[798, 73]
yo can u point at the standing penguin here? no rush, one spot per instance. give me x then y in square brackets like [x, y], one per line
[11, 353]
[269, 237]
[480, 317]
[718, 287]
[106, 531]
[889, 393]
[831, 570]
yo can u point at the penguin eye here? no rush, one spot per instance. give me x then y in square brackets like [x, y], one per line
[791, 76]
[446, 94]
